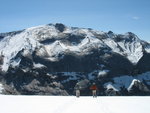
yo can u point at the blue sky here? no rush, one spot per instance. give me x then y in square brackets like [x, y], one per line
[119, 16]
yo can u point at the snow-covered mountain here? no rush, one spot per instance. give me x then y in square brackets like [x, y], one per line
[46, 59]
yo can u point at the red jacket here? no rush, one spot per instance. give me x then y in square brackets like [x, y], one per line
[93, 87]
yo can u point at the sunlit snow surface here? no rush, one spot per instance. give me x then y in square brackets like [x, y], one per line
[71, 104]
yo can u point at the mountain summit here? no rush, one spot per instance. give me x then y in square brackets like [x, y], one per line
[51, 59]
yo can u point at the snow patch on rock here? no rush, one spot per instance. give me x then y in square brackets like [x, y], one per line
[1, 88]
[109, 86]
[126, 80]
[132, 83]
[103, 73]
[38, 65]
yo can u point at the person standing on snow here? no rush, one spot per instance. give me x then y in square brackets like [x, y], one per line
[77, 88]
[94, 89]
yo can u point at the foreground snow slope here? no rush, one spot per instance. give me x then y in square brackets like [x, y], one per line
[59, 104]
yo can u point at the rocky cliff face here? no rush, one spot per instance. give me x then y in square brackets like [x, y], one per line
[51, 59]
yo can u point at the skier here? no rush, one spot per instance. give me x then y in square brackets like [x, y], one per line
[94, 89]
[77, 88]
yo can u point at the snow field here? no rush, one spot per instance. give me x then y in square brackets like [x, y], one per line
[71, 104]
